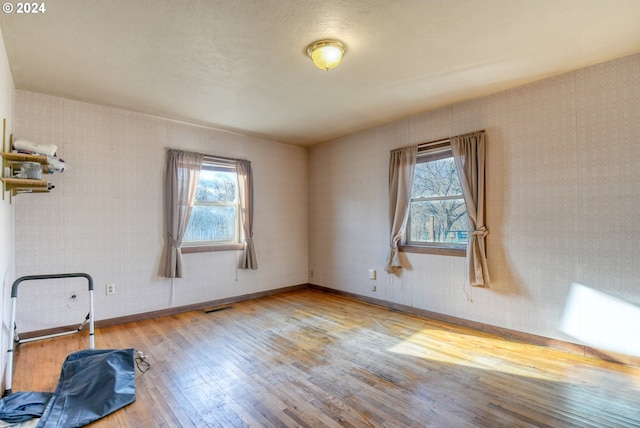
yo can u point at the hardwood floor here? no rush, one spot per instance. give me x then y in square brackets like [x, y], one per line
[313, 359]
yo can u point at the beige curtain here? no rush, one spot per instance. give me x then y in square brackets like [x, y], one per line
[401, 166]
[181, 180]
[469, 154]
[245, 192]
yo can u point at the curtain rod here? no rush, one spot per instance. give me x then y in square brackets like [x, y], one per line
[210, 157]
[442, 140]
[433, 143]
[214, 158]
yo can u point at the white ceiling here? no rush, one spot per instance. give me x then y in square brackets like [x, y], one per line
[241, 65]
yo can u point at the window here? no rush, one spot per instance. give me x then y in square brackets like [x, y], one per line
[214, 218]
[437, 214]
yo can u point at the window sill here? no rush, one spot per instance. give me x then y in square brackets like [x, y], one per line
[209, 248]
[442, 251]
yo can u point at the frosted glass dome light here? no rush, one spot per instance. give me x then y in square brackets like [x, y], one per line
[326, 54]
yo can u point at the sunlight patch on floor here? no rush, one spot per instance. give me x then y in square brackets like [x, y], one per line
[488, 353]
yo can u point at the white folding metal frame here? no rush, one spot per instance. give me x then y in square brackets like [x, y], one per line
[15, 339]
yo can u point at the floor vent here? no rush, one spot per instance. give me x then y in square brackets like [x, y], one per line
[218, 309]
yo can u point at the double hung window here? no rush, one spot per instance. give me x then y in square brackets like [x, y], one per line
[437, 212]
[215, 216]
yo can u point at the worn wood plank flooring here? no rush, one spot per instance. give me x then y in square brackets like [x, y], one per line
[313, 359]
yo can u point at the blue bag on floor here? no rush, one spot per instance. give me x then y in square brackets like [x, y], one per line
[93, 383]
[22, 406]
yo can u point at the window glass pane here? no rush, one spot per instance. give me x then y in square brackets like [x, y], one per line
[439, 221]
[216, 186]
[211, 223]
[436, 178]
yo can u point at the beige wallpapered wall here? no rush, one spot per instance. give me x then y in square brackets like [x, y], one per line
[7, 234]
[563, 193]
[105, 216]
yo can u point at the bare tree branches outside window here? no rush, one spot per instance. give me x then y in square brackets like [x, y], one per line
[437, 214]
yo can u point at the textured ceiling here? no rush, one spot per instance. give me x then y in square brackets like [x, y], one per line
[241, 65]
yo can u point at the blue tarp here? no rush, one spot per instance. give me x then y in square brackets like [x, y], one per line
[93, 383]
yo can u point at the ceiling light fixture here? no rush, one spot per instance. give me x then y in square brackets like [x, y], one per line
[326, 54]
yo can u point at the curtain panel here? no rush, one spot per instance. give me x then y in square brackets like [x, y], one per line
[469, 156]
[245, 193]
[402, 164]
[181, 181]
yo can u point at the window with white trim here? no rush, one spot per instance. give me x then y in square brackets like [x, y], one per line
[437, 214]
[215, 216]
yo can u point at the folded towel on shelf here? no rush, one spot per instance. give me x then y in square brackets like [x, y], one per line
[41, 149]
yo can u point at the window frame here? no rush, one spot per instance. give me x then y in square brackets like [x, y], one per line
[216, 164]
[428, 153]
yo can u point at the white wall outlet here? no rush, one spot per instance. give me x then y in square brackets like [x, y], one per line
[310, 273]
[372, 274]
[111, 289]
[373, 288]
